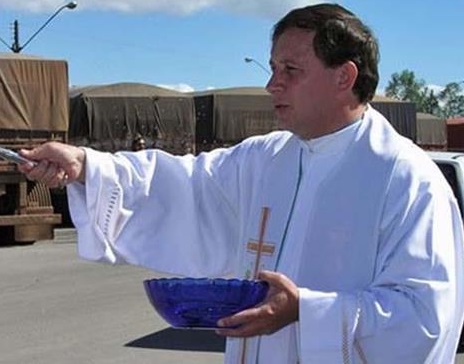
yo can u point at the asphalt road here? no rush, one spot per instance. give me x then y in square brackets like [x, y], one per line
[58, 309]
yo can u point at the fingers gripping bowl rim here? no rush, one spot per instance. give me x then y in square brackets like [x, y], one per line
[201, 302]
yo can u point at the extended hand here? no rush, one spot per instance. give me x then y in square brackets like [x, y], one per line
[279, 309]
[57, 164]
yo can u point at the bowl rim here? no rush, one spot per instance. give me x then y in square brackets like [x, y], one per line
[205, 280]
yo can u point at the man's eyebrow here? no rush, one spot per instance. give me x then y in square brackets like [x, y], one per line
[284, 60]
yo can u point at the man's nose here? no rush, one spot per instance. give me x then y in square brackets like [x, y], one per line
[273, 85]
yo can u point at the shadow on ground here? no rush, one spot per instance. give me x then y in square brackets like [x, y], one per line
[188, 340]
[192, 340]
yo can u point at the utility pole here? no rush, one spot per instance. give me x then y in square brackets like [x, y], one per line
[16, 47]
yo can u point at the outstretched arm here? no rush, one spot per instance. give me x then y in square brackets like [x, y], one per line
[57, 164]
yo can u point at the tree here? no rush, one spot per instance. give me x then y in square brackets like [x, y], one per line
[452, 100]
[405, 86]
[429, 102]
[447, 103]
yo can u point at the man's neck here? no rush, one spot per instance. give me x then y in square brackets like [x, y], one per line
[344, 118]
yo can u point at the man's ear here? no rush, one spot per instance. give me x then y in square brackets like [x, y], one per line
[347, 74]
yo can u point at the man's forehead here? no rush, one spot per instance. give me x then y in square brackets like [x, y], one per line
[294, 33]
[292, 47]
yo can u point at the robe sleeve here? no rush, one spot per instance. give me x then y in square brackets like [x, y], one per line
[168, 213]
[412, 311]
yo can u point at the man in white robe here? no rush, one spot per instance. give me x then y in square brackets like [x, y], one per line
[364, 240]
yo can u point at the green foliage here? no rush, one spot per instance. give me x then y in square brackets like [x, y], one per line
[452, 99]
[405, 86]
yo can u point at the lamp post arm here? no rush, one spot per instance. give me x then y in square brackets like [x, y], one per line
[249, 59]
[43, 26]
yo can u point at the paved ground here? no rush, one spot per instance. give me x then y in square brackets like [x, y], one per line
[57, 309]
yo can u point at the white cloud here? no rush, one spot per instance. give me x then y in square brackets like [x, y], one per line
[181, 87]
[435, 88]
[380, 91]
[265, 8]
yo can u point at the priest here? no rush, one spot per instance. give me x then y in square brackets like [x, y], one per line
[363, 248]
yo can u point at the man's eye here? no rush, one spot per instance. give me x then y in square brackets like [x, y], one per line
[289, 68]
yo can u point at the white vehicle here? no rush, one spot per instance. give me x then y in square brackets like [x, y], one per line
[452, 166]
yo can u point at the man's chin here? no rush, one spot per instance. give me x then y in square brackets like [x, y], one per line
[285, 124]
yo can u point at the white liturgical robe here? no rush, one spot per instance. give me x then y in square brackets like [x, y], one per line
[361, 220]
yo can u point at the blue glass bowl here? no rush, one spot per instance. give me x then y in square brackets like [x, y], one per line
[201, 302]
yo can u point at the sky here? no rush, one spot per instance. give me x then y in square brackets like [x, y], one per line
[201, 44]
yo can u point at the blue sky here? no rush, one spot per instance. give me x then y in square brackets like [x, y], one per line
[199, 44]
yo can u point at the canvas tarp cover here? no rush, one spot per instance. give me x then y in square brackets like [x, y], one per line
[401, 114]
[227, 116]
[33, 94]
[431, 131]
[108, 117]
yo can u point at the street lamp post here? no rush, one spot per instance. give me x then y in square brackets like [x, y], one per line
[16, 47]
[252, 60]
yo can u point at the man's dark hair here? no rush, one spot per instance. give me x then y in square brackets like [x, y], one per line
[339, 36]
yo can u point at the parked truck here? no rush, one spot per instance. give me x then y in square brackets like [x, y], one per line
[34, 108]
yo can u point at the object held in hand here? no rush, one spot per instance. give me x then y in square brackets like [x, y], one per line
[14, 157]
[64, 181]
[201, 302]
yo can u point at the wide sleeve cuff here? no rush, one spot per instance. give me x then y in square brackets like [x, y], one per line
[327, 325]
[96, 209]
